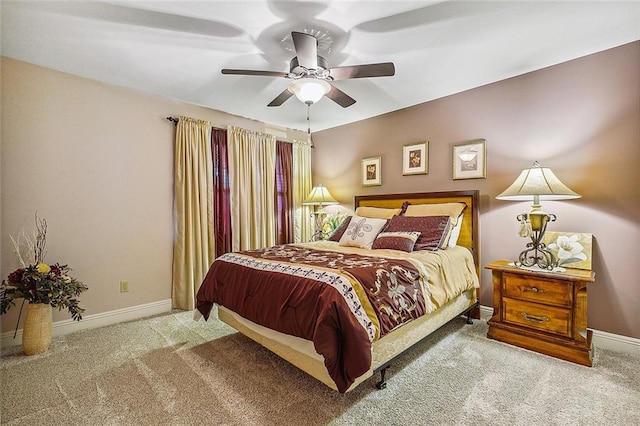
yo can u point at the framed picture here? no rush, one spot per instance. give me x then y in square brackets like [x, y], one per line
[371, 171]
[571, 249]
[415, 159]
[469, 160]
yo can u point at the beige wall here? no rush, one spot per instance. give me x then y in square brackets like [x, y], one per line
[580, 118]
[97, 162]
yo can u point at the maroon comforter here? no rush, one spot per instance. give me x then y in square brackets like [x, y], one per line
[341, 302]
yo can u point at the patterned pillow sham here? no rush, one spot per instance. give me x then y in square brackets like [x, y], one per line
[434, 230]
[339, 231]
[403, 241]
[362, 231]
[454, 210]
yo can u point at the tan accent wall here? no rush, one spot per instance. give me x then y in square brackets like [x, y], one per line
[580, 118]
[97, 162]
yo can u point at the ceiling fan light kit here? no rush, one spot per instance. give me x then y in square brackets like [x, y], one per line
[311, 76]
[309, 90]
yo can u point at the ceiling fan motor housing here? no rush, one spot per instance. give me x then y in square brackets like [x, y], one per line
[298, 71]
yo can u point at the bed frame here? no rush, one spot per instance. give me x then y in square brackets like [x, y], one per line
[300, 352]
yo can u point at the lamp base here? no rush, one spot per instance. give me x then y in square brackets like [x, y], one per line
[318, 217]
[536, 253]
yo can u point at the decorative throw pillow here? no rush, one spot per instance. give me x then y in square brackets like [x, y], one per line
[403, 241]
[362, 231]
[403, 209]
[454, 210]
[339, 231]
[433, 230]
[377, 212]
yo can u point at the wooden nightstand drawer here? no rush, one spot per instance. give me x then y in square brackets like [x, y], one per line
[552, 292]
[539, 317]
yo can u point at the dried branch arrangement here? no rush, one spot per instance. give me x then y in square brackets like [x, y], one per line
[33, 245]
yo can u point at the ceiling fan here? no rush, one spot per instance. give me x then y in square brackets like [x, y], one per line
[311, 76]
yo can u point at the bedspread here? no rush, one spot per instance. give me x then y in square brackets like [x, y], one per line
[340, 301]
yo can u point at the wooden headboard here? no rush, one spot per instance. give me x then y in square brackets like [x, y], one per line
[469, 233]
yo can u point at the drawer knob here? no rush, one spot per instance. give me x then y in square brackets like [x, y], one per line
[534, 289]
[534, 318]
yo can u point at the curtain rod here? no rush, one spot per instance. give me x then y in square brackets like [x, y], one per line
[175, 121]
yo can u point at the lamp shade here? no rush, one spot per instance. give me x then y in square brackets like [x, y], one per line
[319, 196]
[537, 183]
[309, 90]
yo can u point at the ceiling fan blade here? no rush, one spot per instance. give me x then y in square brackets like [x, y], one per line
[384, 69]
[339, 97]
[306, 49]
[254, 72]
[440, 12]
[142, 17]
[281, 98]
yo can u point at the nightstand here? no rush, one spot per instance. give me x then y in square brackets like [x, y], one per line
[544, 312]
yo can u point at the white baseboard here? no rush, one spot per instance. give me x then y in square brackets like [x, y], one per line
[486, 312]
[96, 320]
[601, 339]
[616, 342]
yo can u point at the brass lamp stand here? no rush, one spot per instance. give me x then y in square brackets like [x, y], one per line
[536, 252]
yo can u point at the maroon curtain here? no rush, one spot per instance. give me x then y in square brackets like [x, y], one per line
[221, 192]
[284, 192]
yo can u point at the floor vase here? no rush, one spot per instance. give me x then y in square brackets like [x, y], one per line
[36, 334]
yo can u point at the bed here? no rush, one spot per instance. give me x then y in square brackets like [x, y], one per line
[321, 305]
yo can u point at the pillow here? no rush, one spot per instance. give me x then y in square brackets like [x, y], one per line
[433, 230]
[454, 210]
[403, 241]
[455, 233]
[362, 231]
[377, 212]
[337, 233]
[403, 209]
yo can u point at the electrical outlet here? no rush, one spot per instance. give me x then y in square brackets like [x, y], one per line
[124, 286]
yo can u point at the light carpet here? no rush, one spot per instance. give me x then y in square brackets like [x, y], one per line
[170, 370]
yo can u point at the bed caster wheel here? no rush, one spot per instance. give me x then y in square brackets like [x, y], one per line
[381, 385]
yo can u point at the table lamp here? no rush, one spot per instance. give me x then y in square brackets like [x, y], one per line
[319, 197]
[536, 183]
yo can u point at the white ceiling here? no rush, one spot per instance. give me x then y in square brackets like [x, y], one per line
[177, 48]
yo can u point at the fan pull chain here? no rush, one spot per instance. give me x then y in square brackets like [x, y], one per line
[309, 123]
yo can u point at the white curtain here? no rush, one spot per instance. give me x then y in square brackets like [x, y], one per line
[302, 185]
[194, 247]
[252, 165]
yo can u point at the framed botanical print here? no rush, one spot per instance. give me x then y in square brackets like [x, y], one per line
[469, 160]
[415, 159]
[371, 171]
[571, 249]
